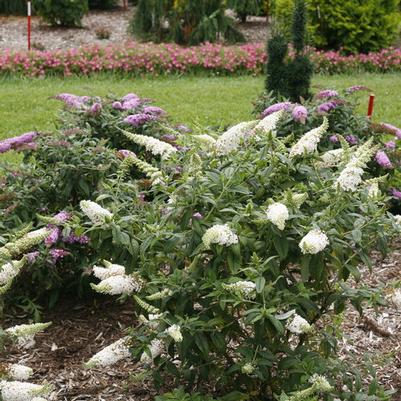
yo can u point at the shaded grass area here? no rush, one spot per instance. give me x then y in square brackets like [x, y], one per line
[26, 104]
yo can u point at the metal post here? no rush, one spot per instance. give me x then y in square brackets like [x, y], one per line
[29, 24]
[371, 104]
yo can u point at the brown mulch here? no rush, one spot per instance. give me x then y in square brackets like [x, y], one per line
[377, 333]
[78, 332]
[13, 31]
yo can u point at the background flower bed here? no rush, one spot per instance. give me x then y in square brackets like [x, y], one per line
[137, 59]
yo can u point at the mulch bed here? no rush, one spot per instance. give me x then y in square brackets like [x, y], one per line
[13, 31]
[78, 332]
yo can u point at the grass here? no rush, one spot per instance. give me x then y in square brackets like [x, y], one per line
[26, 104]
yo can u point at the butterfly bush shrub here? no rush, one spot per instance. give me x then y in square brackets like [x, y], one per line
[345, 123]
[83, 158]
[239, 266]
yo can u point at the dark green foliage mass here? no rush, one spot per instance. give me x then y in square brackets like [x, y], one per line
[290, 79]
[13, 7]
[276, 80]
[184, 21]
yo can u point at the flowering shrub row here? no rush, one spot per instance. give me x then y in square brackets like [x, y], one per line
[59, 170]
[135, 58]
[236, 246]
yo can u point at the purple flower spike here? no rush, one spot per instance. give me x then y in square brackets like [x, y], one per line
[276, 107]
[74, 239]
[197, 216]
[52, 237]
[4, 146]
[73, 101]
[117, 106]
[396, 193]
[131, 104]
[136, 120]
[383, 160]
[351, 139]
[130, 96]
[57, 254]
[357, 88]
[96, 108]
[62, 217]
[157, 111]
[390, 145]
[326, 107]
[168, 138]
[334, 139]
[124, 153]
[327, 93]
[300, 114]
[184, 129]
[32, 256]
[393, 129]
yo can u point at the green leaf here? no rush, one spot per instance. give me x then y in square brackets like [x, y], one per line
[260, 284]
[202, 343]
[281, 245]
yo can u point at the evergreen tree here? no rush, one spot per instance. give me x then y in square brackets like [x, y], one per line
[290, 79]
[276, 80]
[300, 69]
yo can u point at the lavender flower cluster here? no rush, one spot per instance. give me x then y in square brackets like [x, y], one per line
[24, 141]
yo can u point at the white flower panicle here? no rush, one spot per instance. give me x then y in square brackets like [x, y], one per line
[174, 332]
[25, 333]
[298, 325]
[248, 368]
[110, 355]
[22, 245]
[331, 158]
[153, 321]
[243, 288]
[350, 178]
[160, 295]
[110, 270]
[22, 391]
[314, 242]
[320, 383]
[96, 213]
[373, 190]
[309, 141]
[10, 270]
[220, 234]
[269, 123]
[119, 285]
[207, 141]
[231, 139]
[19, 372]
[278, 214]
[156, 348]
[295, 199]
[155, 175]
[397, 219]
[153, 145]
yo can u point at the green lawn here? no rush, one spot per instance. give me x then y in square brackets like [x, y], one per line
[25, 104]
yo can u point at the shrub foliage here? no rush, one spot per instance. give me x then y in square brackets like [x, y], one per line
[61, 12]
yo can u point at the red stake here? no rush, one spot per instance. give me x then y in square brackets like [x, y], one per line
[371, 104]
[29, 24]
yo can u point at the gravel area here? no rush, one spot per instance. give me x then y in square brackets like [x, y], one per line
[13, 31]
